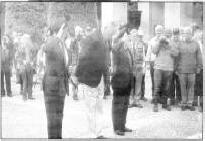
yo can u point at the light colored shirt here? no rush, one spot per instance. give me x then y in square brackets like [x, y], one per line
[150, 56]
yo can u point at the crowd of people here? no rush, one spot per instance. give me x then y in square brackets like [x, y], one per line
[115, 58]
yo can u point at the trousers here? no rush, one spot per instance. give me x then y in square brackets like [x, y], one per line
[94, 108]
[120, 107]
[54, 96]
[187, 82]
[162, 80]
[27, 75]
[136, 95]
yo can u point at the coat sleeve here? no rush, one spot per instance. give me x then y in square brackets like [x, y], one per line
[174, 50]
[149, 51]
[199, 57]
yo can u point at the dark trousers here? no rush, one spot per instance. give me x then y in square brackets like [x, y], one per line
[107, 83]
[198, 89]
[54, 103]
[119, 107]
[7, 76]
[162, 80]
[152, 76]
[187, 82]
[143, 86]
[175, 88]
[27, 76]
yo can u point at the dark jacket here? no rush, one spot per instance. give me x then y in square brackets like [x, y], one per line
[122, 65]
[56, 73]
[7, 57]
[6, 60]
[92, 60]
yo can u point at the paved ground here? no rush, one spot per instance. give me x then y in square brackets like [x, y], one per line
[28, 119]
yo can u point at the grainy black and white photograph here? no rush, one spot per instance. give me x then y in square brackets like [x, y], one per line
[101, 70]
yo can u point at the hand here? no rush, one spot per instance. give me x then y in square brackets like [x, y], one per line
[198, 70]
[177, 73]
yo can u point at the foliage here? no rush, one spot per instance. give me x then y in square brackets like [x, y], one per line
[32, 17]
[27, 17]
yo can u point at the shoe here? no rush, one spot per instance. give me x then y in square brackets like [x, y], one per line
[75, 98]
[101, 137]
[31, 98]
[24, 98]
[192, 108]
[21, 92]
[120, 133]
[130, 106]
[155, 108]
[167, 107]
[143, 98]
[127, 130]
[183, 108]
[10, 95]
[137, 105]
[200, 109]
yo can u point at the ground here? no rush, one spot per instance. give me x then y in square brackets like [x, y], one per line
[28, 119]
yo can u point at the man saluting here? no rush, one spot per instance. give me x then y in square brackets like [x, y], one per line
[55, 78]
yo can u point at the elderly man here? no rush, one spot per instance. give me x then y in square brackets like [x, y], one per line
[150, 57]
[175, 92]
[189, 63]
[198, 37]
[122, 65]
[163, 70]
[138, 53]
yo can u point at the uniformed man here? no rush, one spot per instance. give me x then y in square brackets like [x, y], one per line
[6, 66]
[122, 69]
[55, 80]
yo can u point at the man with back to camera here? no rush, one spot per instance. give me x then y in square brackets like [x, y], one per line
[55, 79]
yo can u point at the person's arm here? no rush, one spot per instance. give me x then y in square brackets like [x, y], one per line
[156, 48]
[148, 54]
[199, 58]
[174, 50]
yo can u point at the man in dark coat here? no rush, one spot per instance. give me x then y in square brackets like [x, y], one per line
[6, 66]
[122, 64]
[55, 81]
[90, 70]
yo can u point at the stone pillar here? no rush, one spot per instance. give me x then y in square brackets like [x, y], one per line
[172, 15]
[157, 17]
[114, 12]
[145, 19]
[186, 14]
